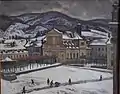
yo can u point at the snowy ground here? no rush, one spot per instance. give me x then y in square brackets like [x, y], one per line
[60, 74]
[104, 87]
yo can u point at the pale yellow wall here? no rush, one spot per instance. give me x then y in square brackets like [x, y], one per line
[64, 53]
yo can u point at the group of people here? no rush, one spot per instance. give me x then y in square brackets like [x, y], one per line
[51, 83]
[56, 83]
[48, 83]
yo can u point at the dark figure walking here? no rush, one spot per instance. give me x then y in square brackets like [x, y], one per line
[23, 91]
[32, 81]
[51, 83]
[69, 81]
[48, 81]
[100, 77]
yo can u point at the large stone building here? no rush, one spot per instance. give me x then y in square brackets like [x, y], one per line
[66, 46]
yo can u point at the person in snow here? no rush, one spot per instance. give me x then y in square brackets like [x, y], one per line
[69, 81]
[51, 83]
[57, 84]
[32, 81]
[100, 77]
[23, 91]
[48, 81]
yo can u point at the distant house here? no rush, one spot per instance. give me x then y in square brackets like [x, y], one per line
[98, 51]
[34, 46]
[13, 49]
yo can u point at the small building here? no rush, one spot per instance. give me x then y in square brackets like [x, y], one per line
[13, 49]
[98, 51]
[34, 46]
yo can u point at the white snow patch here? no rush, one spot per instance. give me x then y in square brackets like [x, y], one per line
[60, 74]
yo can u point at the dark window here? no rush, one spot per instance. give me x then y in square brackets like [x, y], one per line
[67, 55]
[77, 55]
[82, 43]
[111, 62]
[102, 49]
[71, 55]
[98, 49]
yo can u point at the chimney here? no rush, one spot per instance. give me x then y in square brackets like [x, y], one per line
[79, 29]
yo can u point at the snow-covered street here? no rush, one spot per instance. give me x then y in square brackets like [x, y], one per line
[104, 87]
[60, 74]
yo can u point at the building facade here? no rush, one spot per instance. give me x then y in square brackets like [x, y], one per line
[12, 49]
[65, 46]
[98, 51]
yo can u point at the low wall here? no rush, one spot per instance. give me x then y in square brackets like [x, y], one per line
[47, 67]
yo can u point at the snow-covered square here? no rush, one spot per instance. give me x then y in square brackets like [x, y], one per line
[60, 74]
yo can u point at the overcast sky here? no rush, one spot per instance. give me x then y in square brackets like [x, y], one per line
[84, 9]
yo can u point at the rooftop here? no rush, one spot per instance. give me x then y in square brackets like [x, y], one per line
[9, 41]
[99, 42]
[7, 59]
[76, 36]
[94, 33]
[19, 45]
[116, 23]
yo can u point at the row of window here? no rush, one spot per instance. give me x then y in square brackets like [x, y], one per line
[18, 56]
[82, 43]
[72, 55]
[99, 49]
[11, 51]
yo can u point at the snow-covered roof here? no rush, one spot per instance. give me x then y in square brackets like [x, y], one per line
[9, 41]
[38, 44]
[28, 44]
[88, 48]
[99, 32]
[19, 45]
[92, 34]
[7, 59]
[57, 30]
[38, 38]
[35, 42]
[116, 23]
[109, 40]
[99, 42]
[76, 36]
